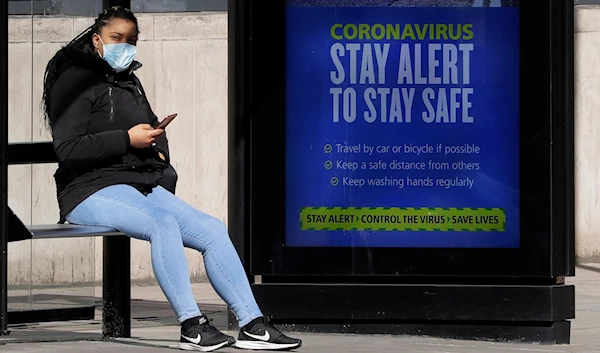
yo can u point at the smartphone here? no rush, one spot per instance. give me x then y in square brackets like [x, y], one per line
[166, 121]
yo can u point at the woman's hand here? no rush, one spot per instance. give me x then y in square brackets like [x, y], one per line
[143, 135]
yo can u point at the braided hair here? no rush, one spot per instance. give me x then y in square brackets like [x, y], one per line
[56, 65]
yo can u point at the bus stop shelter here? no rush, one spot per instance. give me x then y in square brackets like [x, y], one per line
[489, 263]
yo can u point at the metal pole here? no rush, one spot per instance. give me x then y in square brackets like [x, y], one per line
[3, 168]
[239, 132]
[569, 82]
[116, 268]
[116, 287]
[238, 127]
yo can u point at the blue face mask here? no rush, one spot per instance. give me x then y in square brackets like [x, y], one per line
[119, 56]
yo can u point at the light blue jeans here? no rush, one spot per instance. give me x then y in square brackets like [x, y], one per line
[169, 224]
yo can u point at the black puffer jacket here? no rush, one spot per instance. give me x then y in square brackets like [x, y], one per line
[91, 107]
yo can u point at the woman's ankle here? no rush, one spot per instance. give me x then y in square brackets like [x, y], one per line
[189, 323]
[255, 321]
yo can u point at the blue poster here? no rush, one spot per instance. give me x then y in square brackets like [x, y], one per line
[402, 123]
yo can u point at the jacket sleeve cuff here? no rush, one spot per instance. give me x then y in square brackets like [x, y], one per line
[158, 149]
[127, 139]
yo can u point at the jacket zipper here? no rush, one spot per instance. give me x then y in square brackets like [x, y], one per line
[112, 105]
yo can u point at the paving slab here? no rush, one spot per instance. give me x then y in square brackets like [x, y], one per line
[154, 329]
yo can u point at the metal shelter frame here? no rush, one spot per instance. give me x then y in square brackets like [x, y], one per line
[3, 168]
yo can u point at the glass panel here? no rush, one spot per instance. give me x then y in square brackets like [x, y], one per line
[55, 7]
[62, 270]
[63, 273]
[20, 26]
[178, 5]
[57, 273]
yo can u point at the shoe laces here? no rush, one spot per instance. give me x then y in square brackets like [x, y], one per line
[207, 325]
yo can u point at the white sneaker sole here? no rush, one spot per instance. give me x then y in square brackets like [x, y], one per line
[265, 346]
[195, 347]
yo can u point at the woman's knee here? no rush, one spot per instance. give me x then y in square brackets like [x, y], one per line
[216, 232]
[218, 227]
[164, 226]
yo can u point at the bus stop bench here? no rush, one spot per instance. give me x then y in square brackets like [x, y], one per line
[116, 249]
[50, 231]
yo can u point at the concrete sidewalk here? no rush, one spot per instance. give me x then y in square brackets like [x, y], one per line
[154, 329]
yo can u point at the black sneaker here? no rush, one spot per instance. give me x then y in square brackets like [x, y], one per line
[204, 337]
[264, 336]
